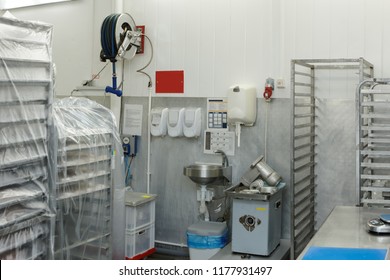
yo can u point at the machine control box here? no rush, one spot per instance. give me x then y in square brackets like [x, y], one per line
[217, 114]
[219, 140]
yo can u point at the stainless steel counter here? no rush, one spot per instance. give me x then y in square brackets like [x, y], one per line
[346, 227]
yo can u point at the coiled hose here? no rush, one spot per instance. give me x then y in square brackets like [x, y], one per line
[108, 39]
[110, 48]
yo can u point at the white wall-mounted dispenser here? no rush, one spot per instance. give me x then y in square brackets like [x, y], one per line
[175, 122]
[192, 122]
[242, 106]
[158, 118]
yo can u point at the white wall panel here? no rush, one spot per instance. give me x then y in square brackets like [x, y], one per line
[338, 21]
[356, 22]
[321, 30]
[206, 47]
[355, 34]
[288, 31]
[192, 52]
[237, 42]
[163, 38]
[321, 36]
[258, 41]
[303, 28]
[135, 8]
[222, 59]
[338, 47]
[178, 32]
[385, 63]
[374, 33]
[275, 46]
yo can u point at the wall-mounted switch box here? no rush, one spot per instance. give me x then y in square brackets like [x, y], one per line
[280, 83]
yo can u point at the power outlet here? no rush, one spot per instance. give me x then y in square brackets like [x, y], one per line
[280, 83]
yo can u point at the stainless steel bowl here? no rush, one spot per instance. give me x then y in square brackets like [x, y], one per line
[203, 174]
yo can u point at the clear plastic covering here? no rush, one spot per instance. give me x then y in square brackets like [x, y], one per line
[26, 93]
[89, 181]
[61, 166]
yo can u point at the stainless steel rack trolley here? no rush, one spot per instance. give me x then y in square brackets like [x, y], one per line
[373, 143]
[26, 94]
[89, 173]
[305, 75]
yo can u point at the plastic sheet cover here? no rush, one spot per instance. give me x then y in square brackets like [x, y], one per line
[89, 182]
[26, 94]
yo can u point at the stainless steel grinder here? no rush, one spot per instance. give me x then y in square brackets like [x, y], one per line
[257, 210]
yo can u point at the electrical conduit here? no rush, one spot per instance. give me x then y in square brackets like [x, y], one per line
[148, 173]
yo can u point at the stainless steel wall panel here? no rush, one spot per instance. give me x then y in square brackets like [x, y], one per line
[176, 205]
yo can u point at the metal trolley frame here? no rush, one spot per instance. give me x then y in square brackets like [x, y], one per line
[26, 96]
[373, 143]
[303, 141]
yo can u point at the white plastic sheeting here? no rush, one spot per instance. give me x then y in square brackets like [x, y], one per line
[61, 166]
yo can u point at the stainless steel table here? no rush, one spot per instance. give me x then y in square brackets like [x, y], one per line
[346, 227]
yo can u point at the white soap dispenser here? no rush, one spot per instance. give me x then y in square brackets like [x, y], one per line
[192, 122]
[175, 122]
[159, 117]
[241, 108]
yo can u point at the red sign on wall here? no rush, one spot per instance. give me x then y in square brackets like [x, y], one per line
[170, 81]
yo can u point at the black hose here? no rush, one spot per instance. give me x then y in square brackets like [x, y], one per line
[107, 38]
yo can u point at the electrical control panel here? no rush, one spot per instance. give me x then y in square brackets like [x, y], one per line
[217, 114]
[219, 140]
[129, 145]
[126, 145]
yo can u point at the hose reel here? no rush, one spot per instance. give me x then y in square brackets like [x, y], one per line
[119, 39]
